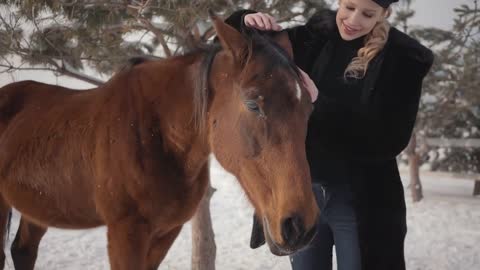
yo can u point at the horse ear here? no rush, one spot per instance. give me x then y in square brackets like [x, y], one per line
[257, 238]
[230, 38]
[282, 39]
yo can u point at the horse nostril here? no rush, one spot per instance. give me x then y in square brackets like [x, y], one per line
[293, 229]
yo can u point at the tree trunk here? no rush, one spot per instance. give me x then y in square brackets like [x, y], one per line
[203, 240]
[413, 162]
[476, 187]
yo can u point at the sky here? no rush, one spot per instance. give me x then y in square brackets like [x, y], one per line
[437, 13]
[434, 13]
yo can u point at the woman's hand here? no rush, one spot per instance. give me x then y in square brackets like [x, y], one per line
[261, 21]
[309, 85]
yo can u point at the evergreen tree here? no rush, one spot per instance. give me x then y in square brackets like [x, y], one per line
[451, 102]
[68, 36]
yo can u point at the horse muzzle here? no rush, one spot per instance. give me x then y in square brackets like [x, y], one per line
[294, 235]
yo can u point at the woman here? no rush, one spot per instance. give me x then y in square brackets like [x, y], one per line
[369, 77]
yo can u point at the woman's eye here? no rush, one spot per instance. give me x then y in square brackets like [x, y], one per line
[350, 8]
[368, 15]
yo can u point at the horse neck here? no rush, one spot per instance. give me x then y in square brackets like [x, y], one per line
[161, 94]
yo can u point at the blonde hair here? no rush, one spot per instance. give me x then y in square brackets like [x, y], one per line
[374, 43]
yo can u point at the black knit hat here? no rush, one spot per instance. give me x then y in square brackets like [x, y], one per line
[385, 3]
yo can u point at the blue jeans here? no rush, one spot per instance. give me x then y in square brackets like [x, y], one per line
[337, 226]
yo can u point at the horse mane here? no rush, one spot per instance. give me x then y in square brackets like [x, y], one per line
[137, 60]
[201, 91]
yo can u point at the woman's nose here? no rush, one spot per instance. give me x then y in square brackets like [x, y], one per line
[354, 19]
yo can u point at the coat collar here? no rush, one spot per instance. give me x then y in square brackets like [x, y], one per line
[324, 29]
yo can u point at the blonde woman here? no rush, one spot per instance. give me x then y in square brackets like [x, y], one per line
[369, 77]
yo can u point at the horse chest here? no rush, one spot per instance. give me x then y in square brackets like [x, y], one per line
[166, 199]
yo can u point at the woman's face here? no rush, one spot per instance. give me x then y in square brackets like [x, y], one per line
[356, 18]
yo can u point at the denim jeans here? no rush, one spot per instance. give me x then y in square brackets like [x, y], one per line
[336, 226]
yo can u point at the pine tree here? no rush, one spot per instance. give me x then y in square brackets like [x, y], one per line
[70, 36]
[451, 101]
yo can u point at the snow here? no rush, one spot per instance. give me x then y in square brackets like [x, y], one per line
[443, 233]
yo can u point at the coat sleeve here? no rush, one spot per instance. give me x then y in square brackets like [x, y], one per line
[236, 21]
[301, 37]
[385, 129]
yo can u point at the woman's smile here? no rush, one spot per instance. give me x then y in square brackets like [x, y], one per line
[351, 31]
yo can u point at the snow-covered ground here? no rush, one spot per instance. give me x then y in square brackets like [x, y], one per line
[444, 233]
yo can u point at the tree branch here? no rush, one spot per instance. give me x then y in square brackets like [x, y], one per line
[65, 69]
[148, 24]
[68, 70]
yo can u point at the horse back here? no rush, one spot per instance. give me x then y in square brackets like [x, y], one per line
[32, 96]
[45, 146]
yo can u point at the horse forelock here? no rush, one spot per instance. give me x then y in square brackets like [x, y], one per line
[274, 54]
[274, 57]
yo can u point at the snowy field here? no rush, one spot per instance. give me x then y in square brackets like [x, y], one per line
[444, 233]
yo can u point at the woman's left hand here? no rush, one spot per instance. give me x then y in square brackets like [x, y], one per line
[309, 85]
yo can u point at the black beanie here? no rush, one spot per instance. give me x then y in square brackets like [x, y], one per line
[385, 3]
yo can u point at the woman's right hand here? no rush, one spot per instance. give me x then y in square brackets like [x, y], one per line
[261, 21]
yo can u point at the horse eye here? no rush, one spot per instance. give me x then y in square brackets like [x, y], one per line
[252, 106]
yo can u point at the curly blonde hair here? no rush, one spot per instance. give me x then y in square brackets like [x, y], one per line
[374, 43]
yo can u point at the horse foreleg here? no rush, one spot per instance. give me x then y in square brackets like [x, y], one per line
[127, 244]
[25, 246]
[4, 220]
[159, 247]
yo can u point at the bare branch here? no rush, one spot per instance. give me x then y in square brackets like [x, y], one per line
[10, 68]
[158, 34]
[65, 69]
[289, 17]
[70, 71]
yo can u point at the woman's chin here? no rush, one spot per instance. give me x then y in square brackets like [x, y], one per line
[348, 37]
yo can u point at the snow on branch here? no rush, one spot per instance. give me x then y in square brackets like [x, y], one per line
[449, 142]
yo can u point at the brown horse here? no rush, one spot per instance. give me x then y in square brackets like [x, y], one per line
[133, 153]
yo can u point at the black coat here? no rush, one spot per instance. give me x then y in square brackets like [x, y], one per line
[371, 134]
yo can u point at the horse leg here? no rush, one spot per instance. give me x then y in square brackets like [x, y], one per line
[4, 224]
[159, 247]
[127, 244]
[25, 246]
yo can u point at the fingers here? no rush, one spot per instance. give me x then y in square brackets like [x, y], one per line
[266, 22]
[309, 85]
[249, 21]
[261, 21]
[274, 25]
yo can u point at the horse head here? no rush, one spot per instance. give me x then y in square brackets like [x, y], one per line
[257, 125]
